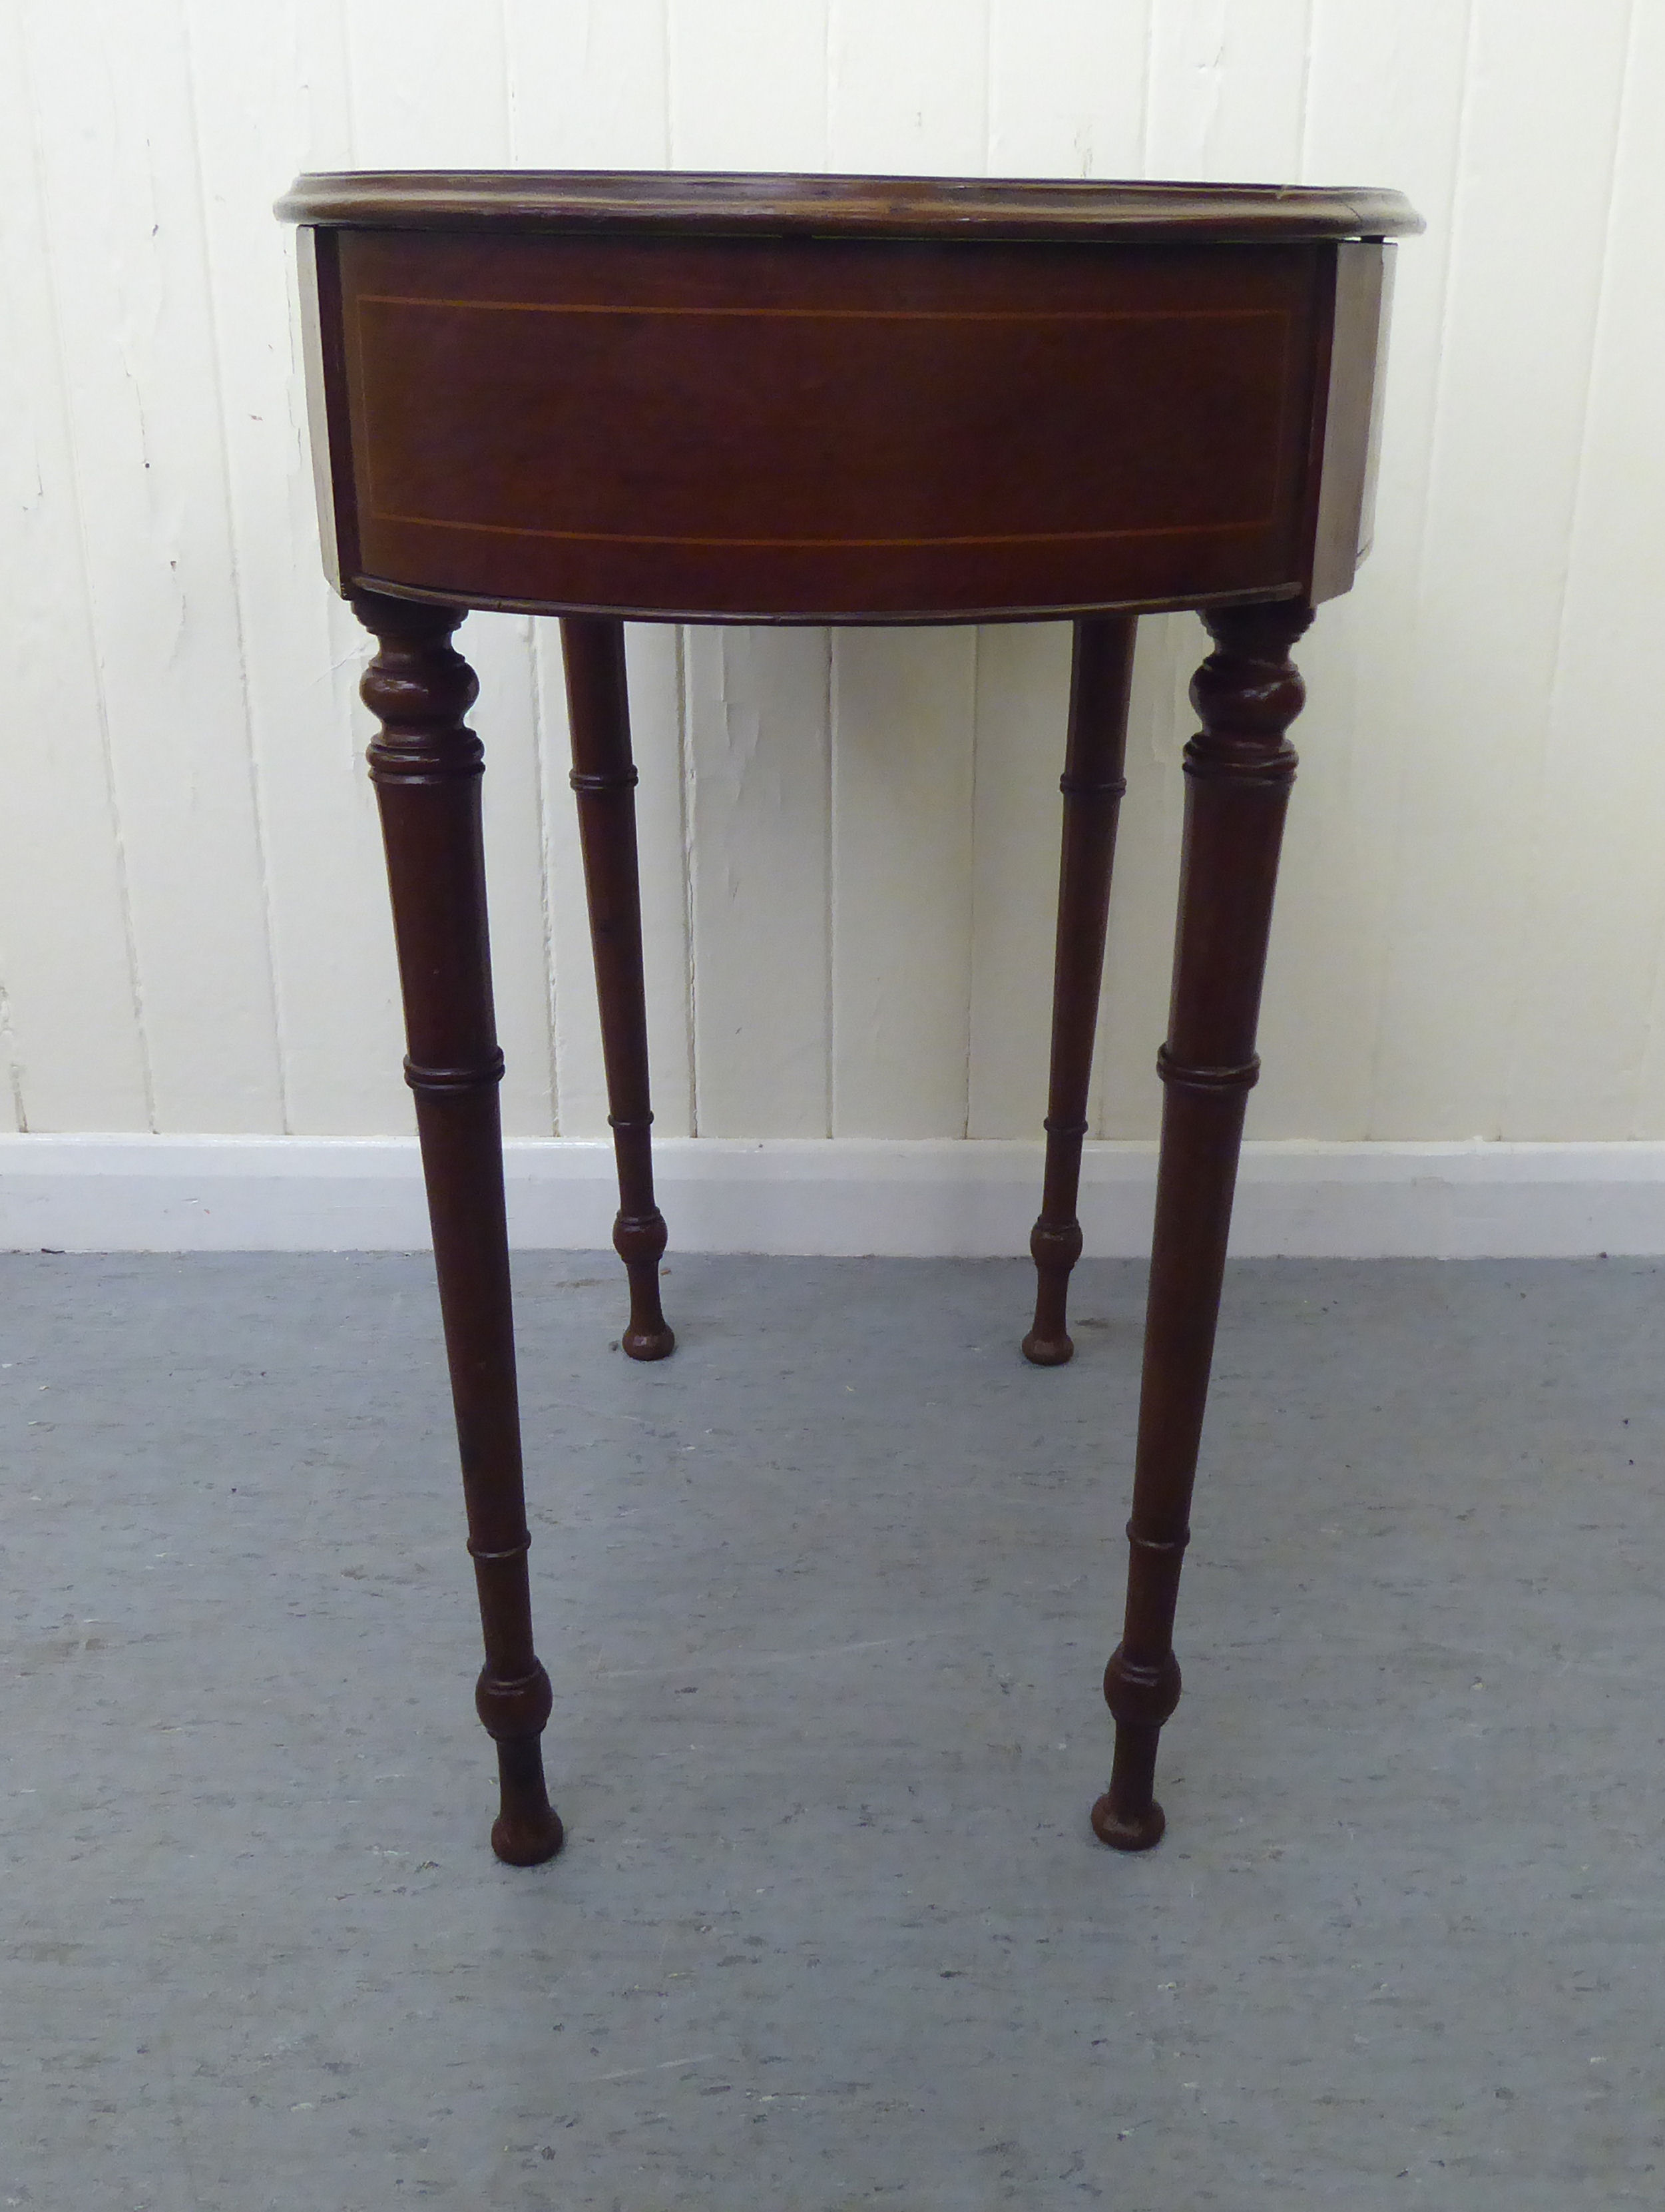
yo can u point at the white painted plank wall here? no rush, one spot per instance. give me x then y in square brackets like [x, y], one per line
[759, 711]
[848, 843]
[335, 983]
[1542, 92]
[114, 151]
[71, 1048]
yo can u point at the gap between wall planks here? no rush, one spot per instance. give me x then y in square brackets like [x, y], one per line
[848, 843]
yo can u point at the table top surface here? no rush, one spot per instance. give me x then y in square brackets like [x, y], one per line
[711, 203]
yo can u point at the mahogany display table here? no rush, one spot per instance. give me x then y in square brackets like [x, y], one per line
[838, 399]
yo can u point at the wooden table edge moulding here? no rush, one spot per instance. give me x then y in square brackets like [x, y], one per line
[661, 397]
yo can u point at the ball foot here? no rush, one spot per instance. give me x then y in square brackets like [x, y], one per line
[1048, 1350]
[525, 1839]
[527, 1829]
[649, 1343]
[1128, 1832]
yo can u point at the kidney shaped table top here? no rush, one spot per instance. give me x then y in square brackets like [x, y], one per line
[713, 399]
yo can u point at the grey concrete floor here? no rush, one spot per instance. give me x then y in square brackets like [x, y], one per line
[825, 1600]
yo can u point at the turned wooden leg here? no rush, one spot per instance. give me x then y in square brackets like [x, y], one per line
[1238, 772]
[1092, 784]
[605, 779]
[426, 767]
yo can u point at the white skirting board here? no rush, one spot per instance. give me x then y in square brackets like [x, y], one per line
[838, 1196]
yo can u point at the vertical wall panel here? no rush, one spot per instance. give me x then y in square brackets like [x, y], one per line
[337, 984]
[1228, 89]
[748, 84]
[902, 896]
[1021, 714]
[71, 1049]
[757, 723]
[1581, 1055]
[429, 85]
[907, 87]
[124, 219]
[1067, 85]
[586, 83]
[1634, 237]
[1518, 334]
[1384, 99]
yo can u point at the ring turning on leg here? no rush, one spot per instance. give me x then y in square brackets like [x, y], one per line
[603, 777]
[1092, 784]
[1238, 770]
[426, 766]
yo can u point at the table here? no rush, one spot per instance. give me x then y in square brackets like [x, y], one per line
[667, 398]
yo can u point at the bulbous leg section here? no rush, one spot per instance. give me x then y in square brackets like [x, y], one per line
[1128, 1832]
[649, 1343]
[639, 1239]
[1140, 1698]
[1055, 1247]
[527, 1829]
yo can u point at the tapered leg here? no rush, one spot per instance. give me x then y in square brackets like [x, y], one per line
[1092, 784]
[426, 767]
[605, 779]
[1238, 773]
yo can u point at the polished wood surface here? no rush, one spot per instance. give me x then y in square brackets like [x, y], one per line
[1101, 678]
[604, 779]
[849, 400]
[426, 766]
[853, 430]
[1033, 209]
[1238, 771]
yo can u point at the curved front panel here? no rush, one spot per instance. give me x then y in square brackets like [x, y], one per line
[828, 430]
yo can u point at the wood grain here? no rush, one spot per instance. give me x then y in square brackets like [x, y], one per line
[893, 467]
[655, 674]
[1238, 769]
[426, 765]
[863, 104]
